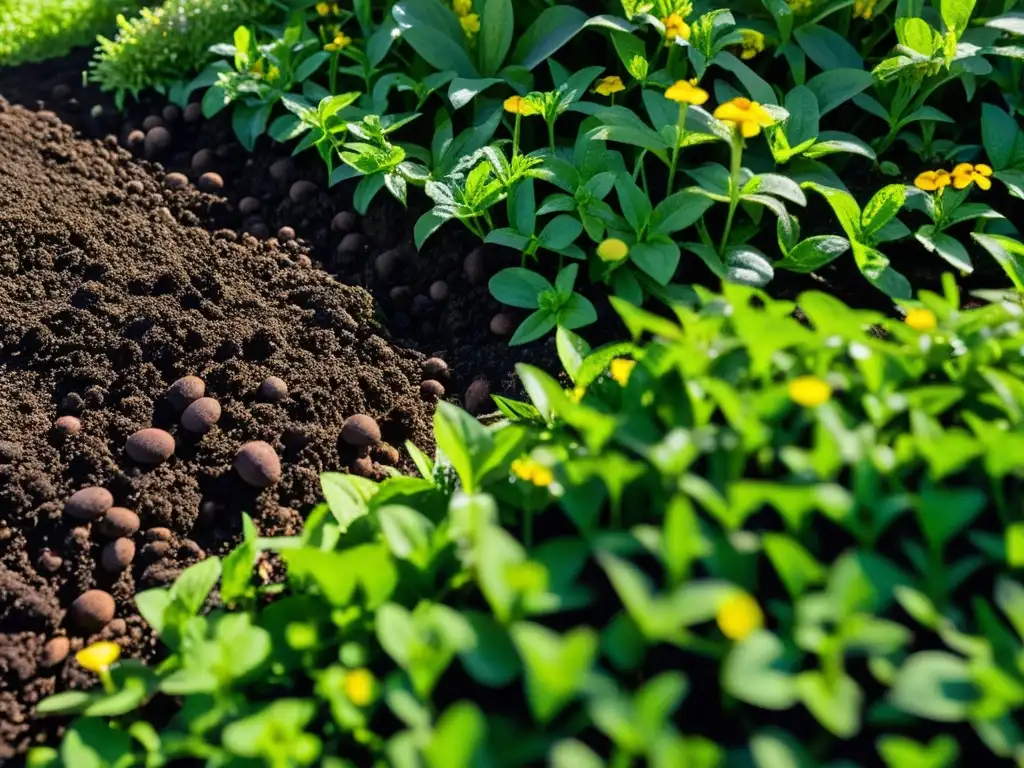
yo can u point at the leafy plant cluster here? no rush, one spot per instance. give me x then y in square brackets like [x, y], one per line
[161, 45]
[45, 29]
[683, 139]
[739, 539]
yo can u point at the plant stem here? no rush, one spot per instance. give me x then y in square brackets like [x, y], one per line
[734, 186]
[334, 73]
[515, 137]
[551, 135]
[681, 123]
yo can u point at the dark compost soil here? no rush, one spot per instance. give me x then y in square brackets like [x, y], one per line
[107, 296]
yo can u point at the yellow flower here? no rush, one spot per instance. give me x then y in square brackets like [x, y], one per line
[739, 616]
[965, 173]
[470, 24]
[612, 249]
[606, 86]
[576, 394]
[809, 391]
[517, 105]
[620, 369]
[273, 74]
[462, 7]
[533, 472]
[675, 27]
[921, 320]
[686, 92]
[257, 68]
[752, 43]
[930, 181]
[749, 116]
[360, 686]
[335, 9]
[99, 656]
[862, 9]
[799, 6]
[323, 9]
[341, 42]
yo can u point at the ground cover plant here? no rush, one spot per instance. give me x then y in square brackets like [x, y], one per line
[740, 538]
[51, 28]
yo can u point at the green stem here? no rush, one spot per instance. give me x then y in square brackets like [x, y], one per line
[681, 123]
[334, 73]
[551, 135]
[734, 186]
[515, 137]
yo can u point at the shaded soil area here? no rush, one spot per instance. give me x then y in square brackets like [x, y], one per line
[109, 293]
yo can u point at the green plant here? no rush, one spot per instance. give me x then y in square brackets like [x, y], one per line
[555, 306]
[743, 515]
[163, 46]
[51, 28]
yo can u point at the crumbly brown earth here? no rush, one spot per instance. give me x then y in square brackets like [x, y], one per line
[109, 292]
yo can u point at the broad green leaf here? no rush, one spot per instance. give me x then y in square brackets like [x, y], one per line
[518, 287]
[935, 685]
[1009, 253]
[556, 666]
[814, 253]
[436, 35]
[552, 29]
[836, 86]
[882, 208]
[463, 440]
[753, 672]
[827, 48]
[497, 23]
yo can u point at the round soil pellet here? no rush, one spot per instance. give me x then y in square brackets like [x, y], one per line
[55, 651]
[247, 206]
[439, 290]
[258, 464]
[153, 121]
[203, 159]
[352, 243]
[201, 415]
[150, 446]
[345, 222]
[157, 141]
[362, 466]
[478, 396]
[273, 389]
[282, 170]
[60, 92]
[475, 267]
[360, 430]
[286, 234]
[502, 325]
[68, 425]
[171, 113]
[89, 503]
[50, 562]
[186, 390]
[387, 264]
[193, 113]
[435, 368]
[211, 182]
[117, 555]
[431, 390]
[385, 454]
[92, 610]
[135, 140]
[400, 294]
[159, 533]
[118, 522]
[176, 180]
[302, 191]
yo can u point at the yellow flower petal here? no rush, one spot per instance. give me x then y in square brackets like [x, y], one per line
[517, 105]
[470, 23]
[739, 616]
[927, 181]
[984, 170]
[620, 369]
[360, 686]
[809, 391]
[462, 7]
[685, 92]
[749, 129]
[612, 250]
[99, 656]
[962, 168]
[921, 320]
[730, 112]
[323, 9]
[962, 181]
[983, 182]
[608, 85]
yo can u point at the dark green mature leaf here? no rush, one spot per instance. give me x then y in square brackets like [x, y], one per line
[552, 29]
[497, 25]
[836, 86]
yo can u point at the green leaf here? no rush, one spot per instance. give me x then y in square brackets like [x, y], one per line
[836, 706]
[783, 16]
[636, 206]
[552, 29]
[999, 135]
[464, 441]
[236, 579]
[882, 208]
[195, 583]
[572, 350]
[1008, 252]
[814, 253]
[901, 752]
[492, 659]
[518, 287]
[935, 685]
[836, 86]
[556, 666]
[459, 734]
[795, 565]
[436, 35]
[347, 496]
[745, 265]
[522, 207]
[827, 48]
[463, 90]
[560, 233]
[90, 742]
[752, 672]
[659, 260]
[956, 14]
[802, 123]
[497, 23]
[946, 246]
[677, 212]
